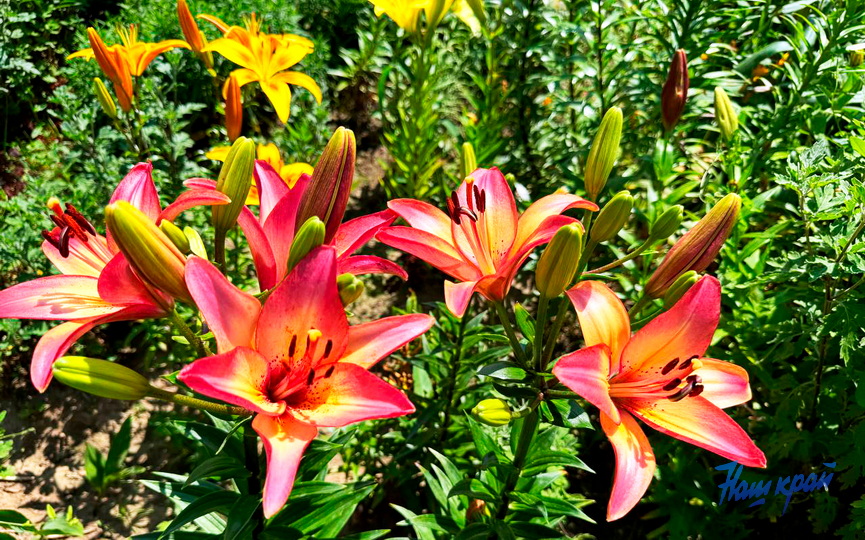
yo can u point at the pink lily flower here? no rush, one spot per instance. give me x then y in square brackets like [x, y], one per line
[482, 240]
[96, 285]
[660, 376]
[271, 233]
[295, 362]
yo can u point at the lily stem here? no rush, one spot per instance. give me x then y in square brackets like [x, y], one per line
[554, 334]
[452, 380]
[637, 252]
[540, 326]
[524, 443]
[195, 403]
[194, 340]
[512, 336]
[253, 483]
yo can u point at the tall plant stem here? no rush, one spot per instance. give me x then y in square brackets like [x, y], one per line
[512, 336]
[540, 326]
[456, 359]
[253, 483]
[187, 332]
[524, 443]
[636, 253]
[195, 403]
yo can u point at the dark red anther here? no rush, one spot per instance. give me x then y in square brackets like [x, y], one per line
[292, 347]
[698, 389]
[80, 220]
[64, 242]
[58, 221]
[482, 201]
[670, 366]
[328, 347]
[690, 382]
[452, 212]
[672, 384]
[329, 371]
[687, 363]
[477, 193]
[310, 377]
[51, 239]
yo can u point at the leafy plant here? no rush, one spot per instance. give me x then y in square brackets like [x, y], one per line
[104, 471]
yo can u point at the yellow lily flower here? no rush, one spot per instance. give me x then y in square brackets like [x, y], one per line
[264, 59]
[406, 13]
[122, 62]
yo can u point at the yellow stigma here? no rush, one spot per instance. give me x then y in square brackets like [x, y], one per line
[695, 365]
[54, 205]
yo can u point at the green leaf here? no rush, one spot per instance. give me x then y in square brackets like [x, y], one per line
[240, 516]
[858, 145]
[217, 501]
[570, 413]
[474, 489]
[504, 371]
[540, 461]
[423, 530]
[525, 322]
[119, 448]
[94, 467]
[221, 466]
[747, 65]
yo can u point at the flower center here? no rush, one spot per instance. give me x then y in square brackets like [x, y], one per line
[468, 218]
[288, 380]
[675, 382]
[71, 224]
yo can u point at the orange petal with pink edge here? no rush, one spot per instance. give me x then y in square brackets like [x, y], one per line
[369, 264]
[239, 377]
[724, 384]
[430, 248]
[305, 300]
[458, 296]
[259, 247]
[697, 421]
[683, 332]
[190, 199]
[423, 216]
[57, 298]
[285, 440]
[85, 259]
[546, 207]
[603, 318]
[370, 342]
[138, 189]
[497, 223]
[230, 313]
[586, 373]
[271, 188]
[355, 233]
[343, 394]
[119, 285]
[635, 464]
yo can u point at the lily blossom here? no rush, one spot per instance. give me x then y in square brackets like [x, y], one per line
[660, 376]
[271, 233]
[482, 240]
[295, 362]
[264, 58]
[122, 62]
[96, 285]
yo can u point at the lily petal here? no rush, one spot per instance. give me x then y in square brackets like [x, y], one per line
[370, 342]
[353, 234]
[232, 50]
[544, 208]
[724, 384]
[57, 298]
[305, 300]
[190, 199]
[238, 377]
[683, 332]
[279, 229]
[230, 313]
[586, 372]
[423, 216]
[635, 464]
[299, 79]
[603, 318]
[369, 264]
[284, 439]
[119, 285]
[85, 259]
[343, 394]
[271, 187]
[458, 296]
[430, 248]
[499, 219]
[279, 95]
[697, 421]
[259, 246]
[138, 189]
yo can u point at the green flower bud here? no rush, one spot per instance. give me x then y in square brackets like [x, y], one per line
[330, 185]
[174, 234]
[725, 114]
[857, 56]
[196, 244]
[666, 224]
[100, 378]
[350, 288]
[612, 217]
[679, 288]
[698, 247]
[559, 261]
[309, 237]
[149, 251]
[605, 150]
[492, 412]
[468, 161]
[235, 179]
[104, 98]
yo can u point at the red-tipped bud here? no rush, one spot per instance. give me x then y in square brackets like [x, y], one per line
[328, 191]
[675, 92]
[698, 247]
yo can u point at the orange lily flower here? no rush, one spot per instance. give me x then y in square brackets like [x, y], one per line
[295, 362]
[122, 62]
[482, 240]
[264, 59]
[660, 376]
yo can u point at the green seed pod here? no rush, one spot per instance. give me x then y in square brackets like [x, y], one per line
[100, 378]
[176, 235]
[725, 114]
[235, 179]
[104, 98]
[492, 412]
[612, 217]
[666, 224]
[309, 237]
[679, 288]
[605, 150]
[350, 288]
[468, 161]
[559, 261]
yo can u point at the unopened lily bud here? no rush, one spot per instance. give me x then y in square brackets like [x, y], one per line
[235, 179]
[612, 217]
[104, 98]
[666, 224]
[196, 244]
[149, 251]
[193, 34]
[350, 288]
[309, 237]
[675, 91]
[857, 56]
[698, 247]
[100, 378]
[468, 161]
[477, 510]
[725, 114]
[176, 235]
[492, 412]
[330, 185]
[679, 288]
[605, 149]
[559, 261]
[233, 109]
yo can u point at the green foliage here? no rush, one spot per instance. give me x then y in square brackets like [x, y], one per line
[103, 471]
[65, 525]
